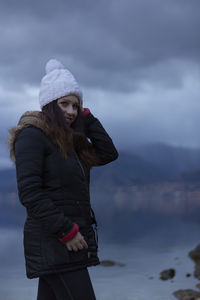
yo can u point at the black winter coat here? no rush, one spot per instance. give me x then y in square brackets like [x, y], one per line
[55, 192]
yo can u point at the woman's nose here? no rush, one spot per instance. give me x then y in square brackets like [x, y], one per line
[70, 109]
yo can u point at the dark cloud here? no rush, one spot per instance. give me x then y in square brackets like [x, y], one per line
[107, 44]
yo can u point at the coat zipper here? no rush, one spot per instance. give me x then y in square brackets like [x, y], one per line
[77, 158]
[91, 210]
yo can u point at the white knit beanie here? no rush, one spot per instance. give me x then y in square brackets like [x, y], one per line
[58, 82]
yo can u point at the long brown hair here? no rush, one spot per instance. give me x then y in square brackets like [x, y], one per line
[69, 138]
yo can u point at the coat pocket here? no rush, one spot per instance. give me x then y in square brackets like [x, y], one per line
[78, 257]
[56, 253]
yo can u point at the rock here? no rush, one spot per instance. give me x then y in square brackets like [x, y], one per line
[197, 271]
[167, 274]
[198, 285]
[195, 256]
[110, 263]
[189, 294]
[186, 294]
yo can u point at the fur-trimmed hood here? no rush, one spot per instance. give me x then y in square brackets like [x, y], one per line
[34, 118]
[66, 142]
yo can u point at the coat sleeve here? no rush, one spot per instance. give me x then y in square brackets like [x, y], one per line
[30, 151]
[101, 141]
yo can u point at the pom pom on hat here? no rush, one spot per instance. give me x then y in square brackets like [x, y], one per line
[53, 64]
[58, 82]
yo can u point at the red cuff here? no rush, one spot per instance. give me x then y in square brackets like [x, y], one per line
[70, 235]
[85, 112]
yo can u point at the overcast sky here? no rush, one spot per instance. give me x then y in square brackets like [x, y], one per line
[136, 61]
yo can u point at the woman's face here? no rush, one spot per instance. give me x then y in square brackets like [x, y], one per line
[69, 105]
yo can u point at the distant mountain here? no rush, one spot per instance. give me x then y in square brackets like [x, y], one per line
[129, 169]
[169, 159]
[147, 164]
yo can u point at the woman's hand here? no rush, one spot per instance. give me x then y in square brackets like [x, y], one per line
[85, 112]
[77, 243]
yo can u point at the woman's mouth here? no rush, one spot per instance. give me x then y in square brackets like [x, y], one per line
[69, 120]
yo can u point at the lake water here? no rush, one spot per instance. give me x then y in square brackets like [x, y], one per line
[144, 259]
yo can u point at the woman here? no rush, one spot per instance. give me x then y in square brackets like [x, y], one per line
[54, 150]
